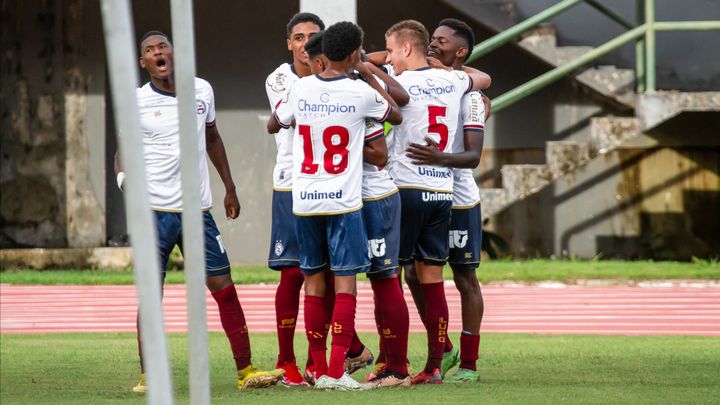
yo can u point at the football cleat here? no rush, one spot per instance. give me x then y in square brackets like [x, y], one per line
[344, 383]
[292, 377]
[449, 360]
[464, 375]
[425, 378]
[389, 378]
[354, 364]
[377, 369]
[141, 387]
[250, 377]
[310, 375]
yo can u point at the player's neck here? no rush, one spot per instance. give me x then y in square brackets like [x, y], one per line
[457, 64]
[166, 85]
[301, 70]
[416, 62]
[336, 69]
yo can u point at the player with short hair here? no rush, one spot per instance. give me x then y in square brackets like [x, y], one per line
[426, 190]
[450, 45]
[159, 123]
[284, 254]
[381, 213]
[330, 111]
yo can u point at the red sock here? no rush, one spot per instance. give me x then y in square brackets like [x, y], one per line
[378, 325]
[329, 300]
[436, 319]
[233, 322]
[356, 346]
[469, 348]
[395, 323]
[315, 331]
[287, 302]
[343, 328]
[448, 345]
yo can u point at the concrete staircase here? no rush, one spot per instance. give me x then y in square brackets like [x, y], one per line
[612, 85]
[606, 134]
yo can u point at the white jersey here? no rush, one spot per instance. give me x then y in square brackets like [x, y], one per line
[433, 111]
[160, 128]
[466, 193]
[277, 86]
[376, 181]
[328, 143]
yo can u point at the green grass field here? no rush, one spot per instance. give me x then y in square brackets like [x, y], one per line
[498, 270]
[101, 369]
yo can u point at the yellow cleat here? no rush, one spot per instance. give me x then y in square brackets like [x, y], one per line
[141, 387]
[250, 377]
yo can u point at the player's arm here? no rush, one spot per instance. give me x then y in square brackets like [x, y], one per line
[377, 58]
[394, 89]
[375, 148]
[394, 116]
[431, 155]
[375, 152]
[273, 127]
[216, 152]
[487, 103]
[480, 79]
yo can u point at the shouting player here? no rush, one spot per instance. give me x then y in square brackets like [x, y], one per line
[330, 111]
[450, 45]
[426, 190]
[159, 123]
[284, 254]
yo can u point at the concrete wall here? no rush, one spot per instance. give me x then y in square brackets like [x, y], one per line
[51, 190]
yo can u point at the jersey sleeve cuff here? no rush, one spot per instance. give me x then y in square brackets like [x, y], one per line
[375, 135]
[387, 113]
[210, 124]
[474, 127]
[285, 126]
[470, 84]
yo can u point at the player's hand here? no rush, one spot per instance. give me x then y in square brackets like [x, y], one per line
[232, 205]
[428, 154]
[486, 102]
[363, 70]
[436, 64]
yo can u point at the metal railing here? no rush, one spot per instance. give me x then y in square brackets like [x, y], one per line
[643, 32]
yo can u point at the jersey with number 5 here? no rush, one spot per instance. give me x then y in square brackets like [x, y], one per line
[433, 111]
[328, 142]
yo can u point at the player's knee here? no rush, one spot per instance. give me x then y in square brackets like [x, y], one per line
[217, 283]
[466, 281]
[411, 275]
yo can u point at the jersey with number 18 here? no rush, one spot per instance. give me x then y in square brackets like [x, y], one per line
[328, 142]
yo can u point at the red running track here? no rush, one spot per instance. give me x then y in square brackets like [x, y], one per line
[692, 309]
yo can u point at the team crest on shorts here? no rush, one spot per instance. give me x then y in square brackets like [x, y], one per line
[279, 248]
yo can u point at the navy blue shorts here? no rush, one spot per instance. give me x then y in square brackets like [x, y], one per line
[424, 226]
[465, 238]
[284, 250]
[382, 222]
[169, 229]
[340, 240]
